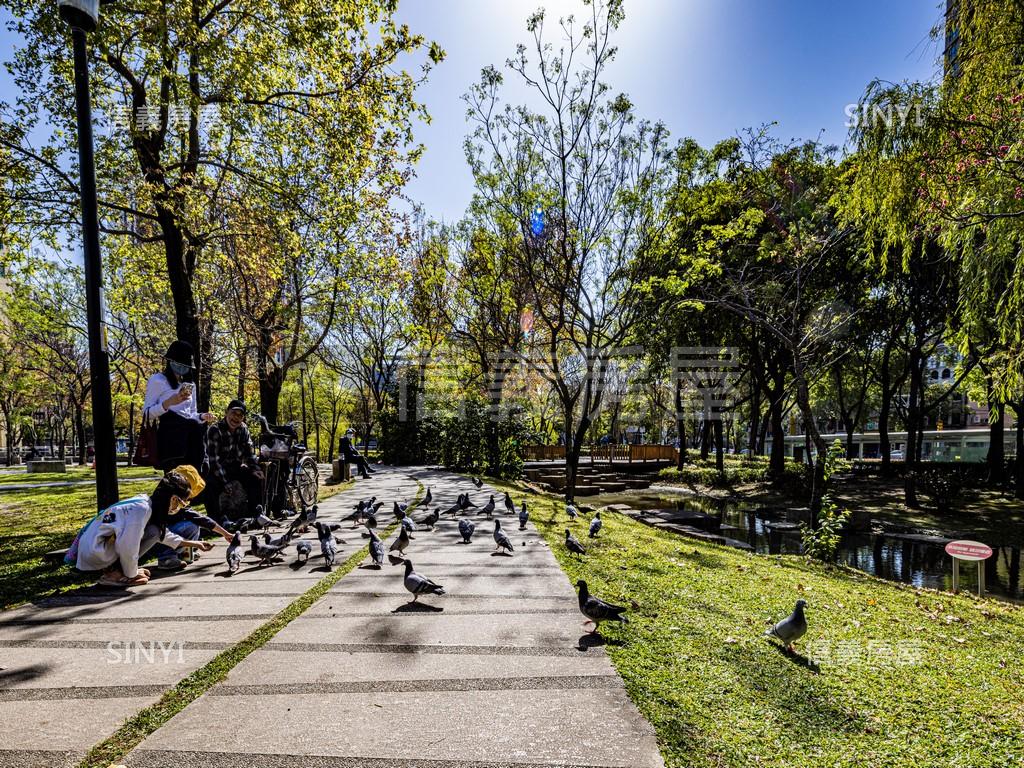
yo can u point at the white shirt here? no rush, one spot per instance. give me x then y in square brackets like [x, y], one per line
[158, 389]
[116, 536]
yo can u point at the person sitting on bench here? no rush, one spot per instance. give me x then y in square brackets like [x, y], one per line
[351, 455]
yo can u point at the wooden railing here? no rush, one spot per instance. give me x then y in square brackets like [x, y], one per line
[603, 453]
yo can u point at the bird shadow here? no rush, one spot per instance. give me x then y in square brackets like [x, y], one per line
[596, 640]
[297, 564]
[395, 560]
[501, 554]
[370, 567]
[796, 659]
[417, 607]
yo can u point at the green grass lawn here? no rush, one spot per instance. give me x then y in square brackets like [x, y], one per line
[75, 472]
[719, 694]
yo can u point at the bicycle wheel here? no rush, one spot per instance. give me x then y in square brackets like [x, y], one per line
[307, 480]
[270, 480]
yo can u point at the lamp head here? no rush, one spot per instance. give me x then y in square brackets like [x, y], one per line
[80, 14]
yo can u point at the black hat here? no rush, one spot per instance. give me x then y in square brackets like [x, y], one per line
[180, 352]
[237, 404]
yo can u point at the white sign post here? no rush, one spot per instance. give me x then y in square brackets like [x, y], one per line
[972, 552]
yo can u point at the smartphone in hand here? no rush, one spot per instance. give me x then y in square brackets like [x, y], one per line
[186, 389]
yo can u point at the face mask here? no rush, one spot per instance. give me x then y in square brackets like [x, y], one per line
[180, 369]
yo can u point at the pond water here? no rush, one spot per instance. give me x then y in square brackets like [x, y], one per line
[889, 555]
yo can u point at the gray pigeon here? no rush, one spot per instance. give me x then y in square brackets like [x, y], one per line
[791, 628]
[376, 549]
[364, 504]
[454, 508]
[401, 542]
[428, 498]
[431, 520]
[262, 521]
[465, 502]
[597, 610]
[304, 549]
[327, 547]
[509, 504]
[408, 524]
[571, 511]
[478, 482]
[281, 541]
[488, 508]
[524, 517]
[400, 509]
[264, 551]
[573, 544]
[595, 525]
[420, 585]
[466, 529]
[500, 539]
[235, 553]
[370, 520]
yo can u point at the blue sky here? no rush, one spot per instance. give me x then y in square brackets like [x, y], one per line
[707, 68]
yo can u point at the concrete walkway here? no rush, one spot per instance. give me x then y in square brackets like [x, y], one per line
[492, 674]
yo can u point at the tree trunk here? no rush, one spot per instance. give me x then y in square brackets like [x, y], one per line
[719, 446]
[572, 458]
[80, 429]
[681, 459]
[884, 447]
[996, 449]
[777, 461]
[913, 425]
[243, 371]
[705, 439]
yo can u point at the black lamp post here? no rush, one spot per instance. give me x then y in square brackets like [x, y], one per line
[82, 16]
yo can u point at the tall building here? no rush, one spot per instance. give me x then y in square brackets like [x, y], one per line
[951, 51]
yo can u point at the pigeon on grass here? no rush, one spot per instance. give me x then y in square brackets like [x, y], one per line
[573, 544]
[595, 525]
[791, 628]
[597, 610]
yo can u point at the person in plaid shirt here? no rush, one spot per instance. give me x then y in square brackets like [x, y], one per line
[230, 455]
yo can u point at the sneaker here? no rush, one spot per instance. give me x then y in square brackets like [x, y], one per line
[174, 563]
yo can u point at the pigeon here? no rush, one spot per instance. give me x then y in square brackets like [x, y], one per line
[791, 628]
[364, 504]
[597, 610]
[524, 517]
[466, 529]
[376, 549]
[420, 585]
[500, 539]
[309, 514]
[327, 547]
[488, 508]
[571, 511]
[573, 544]
[376, 507]
[478, 482]
[401, 542]
[262, 521]
[281, 541]
[454, 508]
[428, 498]
[401, 509]
[509, 504]
[265, 552]
[595, 525]
[370, 520]
[431, 520]
[408, 524]
[235, 553]
[464, 501]
[303, 548]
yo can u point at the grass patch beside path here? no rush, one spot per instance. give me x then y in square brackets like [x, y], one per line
[719, 694]
[75, 473]
[137, 728]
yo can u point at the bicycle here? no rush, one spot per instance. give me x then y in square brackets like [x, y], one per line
[291, 475]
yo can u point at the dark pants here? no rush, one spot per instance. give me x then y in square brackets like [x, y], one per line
[360, 462]
[184, 528]
[181, 441]
[251, 479]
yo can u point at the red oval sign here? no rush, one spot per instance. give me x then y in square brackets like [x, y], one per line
[969, 550]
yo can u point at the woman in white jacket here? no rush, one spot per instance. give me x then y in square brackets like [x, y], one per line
[115, 540]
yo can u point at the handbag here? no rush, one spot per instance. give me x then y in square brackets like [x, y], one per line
[146, 453]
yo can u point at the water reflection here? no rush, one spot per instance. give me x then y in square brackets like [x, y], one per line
[907, 558]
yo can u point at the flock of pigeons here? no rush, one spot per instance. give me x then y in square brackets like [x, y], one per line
[268, 550]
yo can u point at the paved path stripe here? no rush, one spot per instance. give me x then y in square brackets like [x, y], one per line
[104, 644]
[564, 682]
[440, 614]
[144, 758]
[38, 758]
[479, 650]
[122, 619]
[84, 692]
